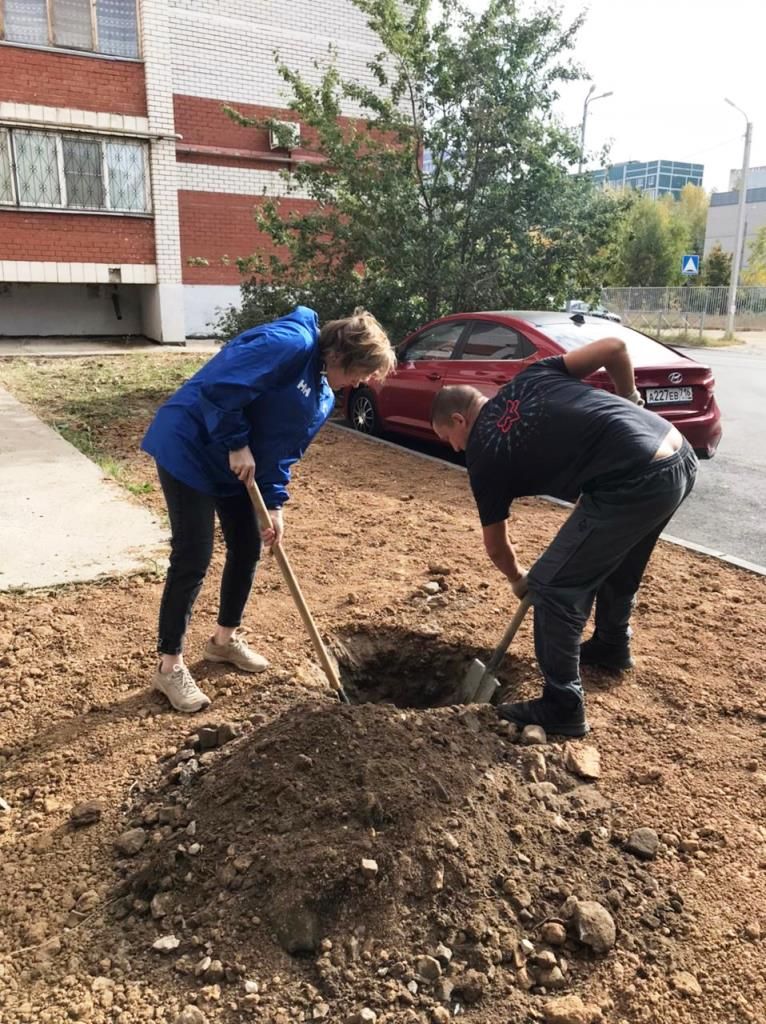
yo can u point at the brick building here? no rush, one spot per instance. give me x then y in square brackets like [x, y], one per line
[126, 193]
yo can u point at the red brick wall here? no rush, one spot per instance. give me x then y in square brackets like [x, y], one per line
[203, 123]
[215, 226]
[64, 80]
[75, 238]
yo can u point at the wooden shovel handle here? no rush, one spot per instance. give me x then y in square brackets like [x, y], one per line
[264, 521]
[513, 626]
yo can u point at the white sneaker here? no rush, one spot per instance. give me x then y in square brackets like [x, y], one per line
[180, 689]
[235, 652]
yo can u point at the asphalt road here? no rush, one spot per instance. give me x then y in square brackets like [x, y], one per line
[727, 509]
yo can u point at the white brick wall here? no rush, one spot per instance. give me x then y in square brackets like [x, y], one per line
[240, 181]
[224, 49]
[156, 43]
[77, 273]
[68, 117]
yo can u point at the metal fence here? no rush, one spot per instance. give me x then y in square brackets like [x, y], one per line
[655, 310]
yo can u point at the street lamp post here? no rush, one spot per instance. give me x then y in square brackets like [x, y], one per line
[590, 98]
[738, 244]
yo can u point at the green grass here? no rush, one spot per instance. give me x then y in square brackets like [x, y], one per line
[100, 405]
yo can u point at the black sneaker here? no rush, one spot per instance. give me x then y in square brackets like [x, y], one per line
[613, 657]
[550, 715]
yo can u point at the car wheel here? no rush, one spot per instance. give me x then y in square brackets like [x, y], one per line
[362, 412]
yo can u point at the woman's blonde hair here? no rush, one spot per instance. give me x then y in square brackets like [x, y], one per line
[359, 342]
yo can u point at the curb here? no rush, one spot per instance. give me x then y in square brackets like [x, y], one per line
[8, 352]
[700, 549]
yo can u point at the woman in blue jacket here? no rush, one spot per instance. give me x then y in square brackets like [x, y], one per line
[249, 413]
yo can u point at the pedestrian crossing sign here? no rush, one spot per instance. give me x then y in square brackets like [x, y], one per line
[690, 265]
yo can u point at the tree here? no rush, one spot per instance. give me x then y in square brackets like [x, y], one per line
[453, 189]
[716, 268]
[755, 272]
[655, 236]
[648, 247]
[691, 212]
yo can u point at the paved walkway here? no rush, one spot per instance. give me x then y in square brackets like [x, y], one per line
[62, 520]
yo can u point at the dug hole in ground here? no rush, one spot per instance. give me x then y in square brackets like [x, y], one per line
[281, 858]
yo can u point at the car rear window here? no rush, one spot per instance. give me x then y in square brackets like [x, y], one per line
[643, 351]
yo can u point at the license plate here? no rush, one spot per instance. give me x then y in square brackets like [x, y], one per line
[668, 396]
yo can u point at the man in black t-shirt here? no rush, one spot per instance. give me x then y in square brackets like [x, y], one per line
[548, 432]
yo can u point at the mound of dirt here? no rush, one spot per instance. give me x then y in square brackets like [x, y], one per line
[404, 864]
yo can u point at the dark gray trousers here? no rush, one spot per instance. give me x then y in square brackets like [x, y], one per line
[601, 552]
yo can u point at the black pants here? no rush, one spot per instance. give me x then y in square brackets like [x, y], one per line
[192, 526]
[600, 553]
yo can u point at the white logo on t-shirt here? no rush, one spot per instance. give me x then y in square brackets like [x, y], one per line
[304, 387]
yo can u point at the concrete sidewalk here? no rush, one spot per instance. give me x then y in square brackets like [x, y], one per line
[62, 520]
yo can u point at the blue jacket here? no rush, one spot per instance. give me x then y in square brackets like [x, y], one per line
[264, 389]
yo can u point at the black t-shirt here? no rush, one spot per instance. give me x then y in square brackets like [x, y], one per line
[547, 432]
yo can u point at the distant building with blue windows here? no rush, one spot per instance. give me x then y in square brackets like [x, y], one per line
[656, 177]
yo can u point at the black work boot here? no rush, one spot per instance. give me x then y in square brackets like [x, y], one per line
[554, 716]
[599, 654]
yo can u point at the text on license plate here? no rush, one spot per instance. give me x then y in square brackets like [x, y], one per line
[666, 396]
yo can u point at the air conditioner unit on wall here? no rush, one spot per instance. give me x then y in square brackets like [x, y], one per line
[285, 135]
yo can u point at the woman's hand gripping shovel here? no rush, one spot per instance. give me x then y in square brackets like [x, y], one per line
[479, 684]
[264, 522]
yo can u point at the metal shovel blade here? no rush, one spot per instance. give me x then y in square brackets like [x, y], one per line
[477, 686]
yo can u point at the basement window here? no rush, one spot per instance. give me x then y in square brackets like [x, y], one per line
[97, 26]
[52, 170]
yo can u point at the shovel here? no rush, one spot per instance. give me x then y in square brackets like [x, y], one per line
[264, 521]
[479, 684]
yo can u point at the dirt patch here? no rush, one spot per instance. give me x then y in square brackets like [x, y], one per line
[409, 859]
[682, 744]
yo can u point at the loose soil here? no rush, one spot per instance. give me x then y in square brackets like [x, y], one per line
[400, 856]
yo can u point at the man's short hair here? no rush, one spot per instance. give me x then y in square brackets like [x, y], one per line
[454, 398]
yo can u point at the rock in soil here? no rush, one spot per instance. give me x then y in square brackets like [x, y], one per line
[686, 984]
[554, 933]
[191, 1015]
[364, 1016]
[569, 1010]
[533, 734]
[429, 968]
[594, 926]
[643, 843]
[583, 761]
[86, 813]
[131, 842]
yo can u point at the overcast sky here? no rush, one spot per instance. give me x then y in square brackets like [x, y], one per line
[669, 64]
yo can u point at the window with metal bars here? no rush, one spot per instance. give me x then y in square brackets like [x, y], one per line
[101, 26]
[53, 170]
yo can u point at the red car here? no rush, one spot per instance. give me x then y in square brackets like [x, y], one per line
[487, 350]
